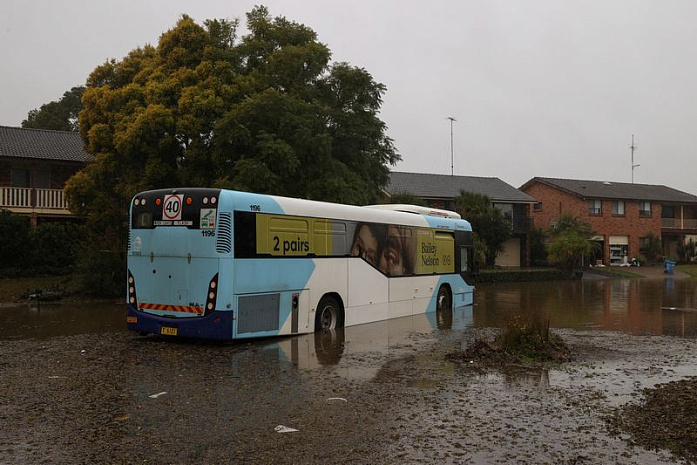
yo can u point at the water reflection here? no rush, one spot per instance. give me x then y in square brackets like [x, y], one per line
[638, 306]
[50, 320]
[359, 352]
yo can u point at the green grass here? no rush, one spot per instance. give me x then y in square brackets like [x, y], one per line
[12, 290]
[689, 269]
[614, 272]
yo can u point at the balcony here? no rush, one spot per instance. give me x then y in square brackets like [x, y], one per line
[679, 223]
[29, 200]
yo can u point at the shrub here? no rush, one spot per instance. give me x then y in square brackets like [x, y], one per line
[14, 240]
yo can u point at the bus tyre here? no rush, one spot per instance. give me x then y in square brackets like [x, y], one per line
[328, 315]
[444, 299]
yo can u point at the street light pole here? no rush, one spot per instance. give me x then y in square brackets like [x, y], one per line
[452, 170]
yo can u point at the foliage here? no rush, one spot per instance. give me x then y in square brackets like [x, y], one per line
[266, 112]
[14, 231]
[687, 252]
[527, 337]
[538, 251]
[54, 245]
[653, 249]
[570, 242]
[488, 223]
[48, 248]
[60, 115]
[407, 198]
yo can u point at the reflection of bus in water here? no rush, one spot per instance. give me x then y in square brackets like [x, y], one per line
[221, 264]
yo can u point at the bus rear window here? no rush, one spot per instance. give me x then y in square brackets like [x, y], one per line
[144, 220]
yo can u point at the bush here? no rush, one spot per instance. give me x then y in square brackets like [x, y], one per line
[54, 247]
[14, 240]
[102, 273]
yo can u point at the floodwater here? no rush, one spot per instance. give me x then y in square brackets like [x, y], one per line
[636, 306]
[381, 392]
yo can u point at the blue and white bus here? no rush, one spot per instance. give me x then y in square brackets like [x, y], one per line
[221, 264]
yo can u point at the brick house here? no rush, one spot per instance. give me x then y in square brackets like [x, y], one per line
[34, 166]
[440, 191]
[621, 214]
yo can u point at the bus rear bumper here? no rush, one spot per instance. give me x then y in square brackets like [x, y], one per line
[217, 325]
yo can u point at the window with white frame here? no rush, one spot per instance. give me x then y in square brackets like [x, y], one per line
[595, 207]
[645, 209]
[618, 208]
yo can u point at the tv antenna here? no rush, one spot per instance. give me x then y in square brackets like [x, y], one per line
[632, 148]
[452, 120]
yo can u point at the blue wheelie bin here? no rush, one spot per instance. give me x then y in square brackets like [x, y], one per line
[669, 266]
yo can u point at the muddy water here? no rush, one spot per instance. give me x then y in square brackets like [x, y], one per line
[658, 307]
[637, 306]
[47, 320]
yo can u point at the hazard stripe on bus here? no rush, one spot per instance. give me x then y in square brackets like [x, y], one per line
[170, 308]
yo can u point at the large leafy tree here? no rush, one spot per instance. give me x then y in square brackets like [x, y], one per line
[59, 115]
[267, 112]
[490, 227]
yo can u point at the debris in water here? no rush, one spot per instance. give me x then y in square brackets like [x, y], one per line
[284, 429]
[155, 396]
[337, 398]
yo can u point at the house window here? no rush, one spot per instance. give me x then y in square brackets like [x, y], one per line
[618, 208]
[668, 211]
[20, 178]
[538, 206]
[506, 210]
[595, 207]
[42, 179]
[645, 209]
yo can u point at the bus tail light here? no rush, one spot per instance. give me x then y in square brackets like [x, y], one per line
[132, 299]
[212, 295]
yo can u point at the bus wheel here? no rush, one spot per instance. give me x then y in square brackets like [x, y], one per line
[328, 314]
[444, 300]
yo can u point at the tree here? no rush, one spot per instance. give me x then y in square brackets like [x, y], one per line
[488, 223]
[570, 242]
[60, 115]
[267, 112]
[653, 248]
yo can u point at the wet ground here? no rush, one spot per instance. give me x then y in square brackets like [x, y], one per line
[379, 393]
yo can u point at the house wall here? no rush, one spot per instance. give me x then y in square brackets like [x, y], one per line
[556, 202]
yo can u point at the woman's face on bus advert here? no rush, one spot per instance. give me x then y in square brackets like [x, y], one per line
[392, 257]
[365, 245]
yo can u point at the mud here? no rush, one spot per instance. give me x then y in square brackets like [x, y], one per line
[120, 398]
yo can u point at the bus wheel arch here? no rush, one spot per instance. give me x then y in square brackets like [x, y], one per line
[329, 313]
[444, 298]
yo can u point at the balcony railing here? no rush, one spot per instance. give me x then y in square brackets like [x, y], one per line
[25, 198]
[677, 223]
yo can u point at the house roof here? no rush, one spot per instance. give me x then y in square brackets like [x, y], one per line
[42, 144]
[616, 190]
[448, 187]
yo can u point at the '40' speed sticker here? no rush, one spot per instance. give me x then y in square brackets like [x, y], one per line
[172, 207]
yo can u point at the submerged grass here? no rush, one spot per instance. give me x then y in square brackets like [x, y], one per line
[16, 289]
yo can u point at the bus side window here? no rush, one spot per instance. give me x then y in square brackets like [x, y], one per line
[464, 262]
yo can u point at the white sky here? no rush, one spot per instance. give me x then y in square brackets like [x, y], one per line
[539, 88]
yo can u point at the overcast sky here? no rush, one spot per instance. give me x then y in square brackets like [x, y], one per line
[538, 88]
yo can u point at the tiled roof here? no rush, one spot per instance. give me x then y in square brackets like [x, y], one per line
[617, 190]
[42, 144]
[448, 187]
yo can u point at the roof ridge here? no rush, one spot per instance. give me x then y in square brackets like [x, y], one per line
[39, 129]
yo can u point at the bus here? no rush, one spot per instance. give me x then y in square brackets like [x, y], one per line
[224, 265]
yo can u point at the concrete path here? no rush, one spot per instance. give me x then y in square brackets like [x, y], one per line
[656, 272]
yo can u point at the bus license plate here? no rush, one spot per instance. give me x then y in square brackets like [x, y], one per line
[168, 331]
